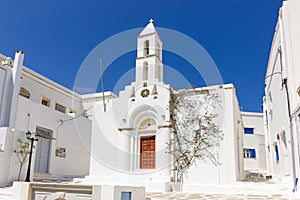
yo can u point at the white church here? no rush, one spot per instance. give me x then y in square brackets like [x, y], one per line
[121, 141]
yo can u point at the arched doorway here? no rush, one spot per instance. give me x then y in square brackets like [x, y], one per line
[147, 144]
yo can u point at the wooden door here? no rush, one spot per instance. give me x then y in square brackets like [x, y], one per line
[147, 152]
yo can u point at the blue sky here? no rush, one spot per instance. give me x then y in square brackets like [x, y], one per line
[57, 35]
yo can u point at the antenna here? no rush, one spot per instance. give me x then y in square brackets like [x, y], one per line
[102, 83]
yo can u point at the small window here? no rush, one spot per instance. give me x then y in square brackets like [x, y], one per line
[277, 153]
[248, 130]
[45, 102]
[24, 93]
[267, 120]
[158, 52]
[72, 111]
[283, 138]
[125, 195]
[146, 48]
[145, 71]
[249, 153]
[60, 108]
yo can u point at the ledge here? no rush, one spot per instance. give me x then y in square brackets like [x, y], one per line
[165, 126]
[125, 129]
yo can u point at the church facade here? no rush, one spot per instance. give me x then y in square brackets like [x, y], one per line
[117, 140]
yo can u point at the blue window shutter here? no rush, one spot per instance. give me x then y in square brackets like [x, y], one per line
[252, 153]
[249, 130]
[277, 153]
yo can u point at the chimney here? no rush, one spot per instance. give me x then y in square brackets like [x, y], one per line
[16, 77]
[17, 68]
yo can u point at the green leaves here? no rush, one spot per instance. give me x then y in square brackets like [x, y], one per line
[22, 151]
[195, 134]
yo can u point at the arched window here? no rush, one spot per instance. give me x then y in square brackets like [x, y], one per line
[24, 93]
[145, 71]
[146, 48]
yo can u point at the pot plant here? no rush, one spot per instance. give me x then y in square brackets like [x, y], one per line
[195, 134]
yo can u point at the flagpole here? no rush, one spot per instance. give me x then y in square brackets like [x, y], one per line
[102, 83]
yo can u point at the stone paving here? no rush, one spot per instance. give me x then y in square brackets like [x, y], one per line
[194, 196]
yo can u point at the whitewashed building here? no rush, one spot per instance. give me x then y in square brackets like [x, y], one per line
[282, 95]
[120, 141]
[254, 141]
[31, 102]
[140, 115]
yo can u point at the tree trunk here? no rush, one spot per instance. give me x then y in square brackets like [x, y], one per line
[20, 170]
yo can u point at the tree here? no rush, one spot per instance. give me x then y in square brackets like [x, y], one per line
[195, 134]
[22, 151]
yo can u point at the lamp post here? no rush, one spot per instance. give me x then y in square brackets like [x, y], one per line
[32, 137]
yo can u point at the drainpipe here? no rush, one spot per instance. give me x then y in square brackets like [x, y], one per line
[284, 79]
[292, 134]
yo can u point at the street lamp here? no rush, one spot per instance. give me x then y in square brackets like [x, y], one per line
[32, 137]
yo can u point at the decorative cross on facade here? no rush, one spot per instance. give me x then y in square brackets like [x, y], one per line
[151, 20]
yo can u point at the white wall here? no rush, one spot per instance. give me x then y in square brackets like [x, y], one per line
[2, 83]
[255, 141]
[40, 87]
[73, 135]
[231, 168]
[291, 49]
[6, 88]
[286, 37]
[5, 156]
[114, 150]
[275, 108]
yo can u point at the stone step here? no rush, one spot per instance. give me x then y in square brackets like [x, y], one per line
[43, 176]
[5, 193]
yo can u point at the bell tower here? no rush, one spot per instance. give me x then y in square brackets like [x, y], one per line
[149, 67]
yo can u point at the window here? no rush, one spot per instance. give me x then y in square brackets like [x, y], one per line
[146, 48]
[125, 195]
[72, 111]
[45, 102]
[283, 138]
[24, 93]
[267, 118]
[60, 108]
[158, 51]
[249, 153]
[277, 153]
[248, 130]
[145, 71]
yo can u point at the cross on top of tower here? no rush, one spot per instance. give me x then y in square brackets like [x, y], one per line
[151, 20]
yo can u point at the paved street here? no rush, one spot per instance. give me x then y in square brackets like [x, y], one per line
[191, 196]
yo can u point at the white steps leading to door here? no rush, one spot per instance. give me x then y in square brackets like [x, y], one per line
[38, 176]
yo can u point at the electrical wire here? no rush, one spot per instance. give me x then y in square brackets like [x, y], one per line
[257, 81]
[62, 121]
[66, 120]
